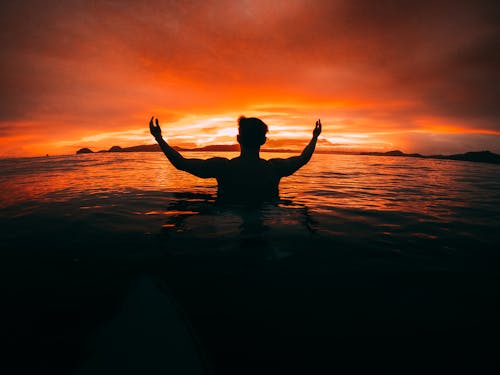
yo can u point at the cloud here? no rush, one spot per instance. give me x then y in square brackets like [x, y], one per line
[88, 67]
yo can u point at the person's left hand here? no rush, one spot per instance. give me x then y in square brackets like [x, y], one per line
[155, 130]
[317, 129]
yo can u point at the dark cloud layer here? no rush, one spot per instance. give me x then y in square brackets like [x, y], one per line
[109, 60]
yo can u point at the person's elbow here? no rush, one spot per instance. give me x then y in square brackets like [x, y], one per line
[304, 159]
[179, 163]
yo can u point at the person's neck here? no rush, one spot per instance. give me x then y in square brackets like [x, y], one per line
[250, 153]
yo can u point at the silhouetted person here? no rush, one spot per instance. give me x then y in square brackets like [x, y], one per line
[246, 178]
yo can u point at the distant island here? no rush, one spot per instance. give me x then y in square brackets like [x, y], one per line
[156, 148]
[474, 156]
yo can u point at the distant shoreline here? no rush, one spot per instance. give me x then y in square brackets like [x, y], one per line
[474, 156]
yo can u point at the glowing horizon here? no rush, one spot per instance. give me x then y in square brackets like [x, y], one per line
[288, 133]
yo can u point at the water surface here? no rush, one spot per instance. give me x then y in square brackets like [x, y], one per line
[363, 256]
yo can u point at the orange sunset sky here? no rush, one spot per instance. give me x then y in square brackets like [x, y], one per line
[420, 76]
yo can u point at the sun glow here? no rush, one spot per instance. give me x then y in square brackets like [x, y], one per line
[288, 129]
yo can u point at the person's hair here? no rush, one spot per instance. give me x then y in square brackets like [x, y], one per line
[252, 131]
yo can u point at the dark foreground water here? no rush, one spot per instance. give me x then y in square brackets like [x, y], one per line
[367, 263]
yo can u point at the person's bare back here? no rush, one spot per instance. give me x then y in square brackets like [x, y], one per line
[246, 178]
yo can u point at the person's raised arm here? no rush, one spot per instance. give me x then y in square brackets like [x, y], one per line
[291, 165]
[173, 155]
[198, 167]
[309, 149]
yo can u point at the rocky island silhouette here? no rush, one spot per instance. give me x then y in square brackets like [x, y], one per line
[473, 156]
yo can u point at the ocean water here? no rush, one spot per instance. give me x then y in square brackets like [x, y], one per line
[366, 262]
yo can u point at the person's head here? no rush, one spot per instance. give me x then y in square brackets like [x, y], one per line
[251, 132]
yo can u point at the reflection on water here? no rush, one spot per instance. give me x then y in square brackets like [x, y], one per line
[381, 191]
[431, 187]
[390, 201]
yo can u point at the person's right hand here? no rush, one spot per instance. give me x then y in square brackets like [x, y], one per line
[317, 129]
[155, 130]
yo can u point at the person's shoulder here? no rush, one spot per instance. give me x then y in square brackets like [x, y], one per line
[218, 160]
[278, 164]
[278, 161]
[236, 159]
[285, 167]
[217, 163]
